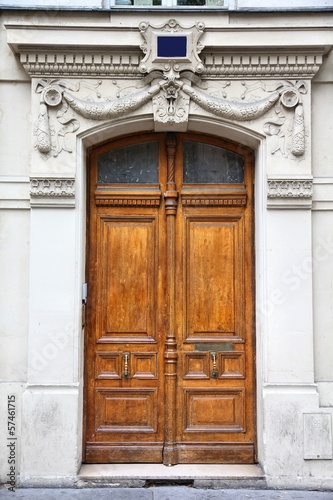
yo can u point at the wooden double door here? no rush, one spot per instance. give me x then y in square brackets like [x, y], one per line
[169, 330]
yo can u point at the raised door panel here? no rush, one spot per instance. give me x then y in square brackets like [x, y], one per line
[214, 280]
[213, 410]
[126, 410]
[127, 288]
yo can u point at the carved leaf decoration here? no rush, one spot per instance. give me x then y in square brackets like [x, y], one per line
[43, 130]
[71, 125]
[113, 108]
[239, 111]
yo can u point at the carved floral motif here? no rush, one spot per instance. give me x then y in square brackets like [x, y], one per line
[289, 188]
[170, 98]
[238, 111]
[169, 86]
[52, 187]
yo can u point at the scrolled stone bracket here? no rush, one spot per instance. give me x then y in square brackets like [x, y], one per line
[289, 193]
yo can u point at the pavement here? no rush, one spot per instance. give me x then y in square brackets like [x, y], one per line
[161, 493]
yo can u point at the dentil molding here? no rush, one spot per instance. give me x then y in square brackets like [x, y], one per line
[274, 77]
[170, 83]
[216, 64]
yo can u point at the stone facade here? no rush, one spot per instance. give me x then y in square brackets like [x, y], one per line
[74, 78]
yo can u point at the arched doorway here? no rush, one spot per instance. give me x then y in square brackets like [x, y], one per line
[169, 333]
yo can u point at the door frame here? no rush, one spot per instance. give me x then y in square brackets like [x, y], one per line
[250, 139]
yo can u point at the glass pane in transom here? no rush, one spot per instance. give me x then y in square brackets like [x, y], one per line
[134, 164]
[208, 164]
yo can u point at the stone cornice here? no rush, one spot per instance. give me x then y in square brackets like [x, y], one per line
[81, 64]
[217, 65]
[107, 36]
[262, 65]
[100, 51]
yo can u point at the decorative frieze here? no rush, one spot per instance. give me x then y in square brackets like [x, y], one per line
[215, 202]
[169, 93]
[52, 191]
[128, 197]
[216, 65]
[173, 76]
[261, 65]
[289, 193]
[51, 64]
[116, 202]
[231, 197]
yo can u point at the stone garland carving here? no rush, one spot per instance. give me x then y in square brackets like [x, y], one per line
[290, 98]
[238, 111]
[110, 109]
[170, 97]
[170, 84]
[55, 93]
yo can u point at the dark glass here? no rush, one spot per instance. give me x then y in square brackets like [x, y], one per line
[207, 164]
[191, 2]
[138, 2]
[171, 46]
[137, 163]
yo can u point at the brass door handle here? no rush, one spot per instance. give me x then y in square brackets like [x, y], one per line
[126, 372]
[214, 372]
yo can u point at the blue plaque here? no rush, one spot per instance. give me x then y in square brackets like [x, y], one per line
[171, 46]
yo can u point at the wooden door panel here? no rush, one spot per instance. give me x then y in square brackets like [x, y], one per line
[141, 365]
[127, 279]
[108, 365]
[126, 410]
[231, 365]
[214, 282]
[144, 365]
[215, 453]
[196, 365]
[213, 411]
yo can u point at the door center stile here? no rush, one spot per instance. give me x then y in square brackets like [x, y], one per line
[170, 352]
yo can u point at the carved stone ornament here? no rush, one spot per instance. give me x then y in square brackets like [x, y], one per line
[53, 191]
[170, 94]
[289, 193]
[170, 84]
[182, 47]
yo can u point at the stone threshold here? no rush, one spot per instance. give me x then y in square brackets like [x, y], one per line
[196, 475]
